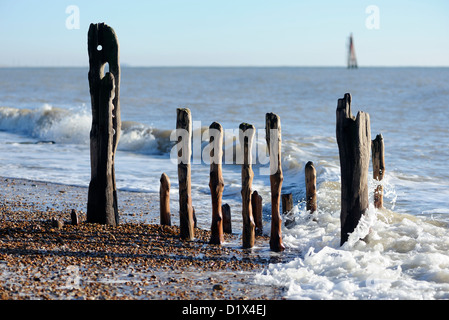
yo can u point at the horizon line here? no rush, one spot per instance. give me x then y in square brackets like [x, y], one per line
[125, 65]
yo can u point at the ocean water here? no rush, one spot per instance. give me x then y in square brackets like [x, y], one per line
[44, 135]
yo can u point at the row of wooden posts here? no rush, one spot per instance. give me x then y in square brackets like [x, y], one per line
[251, 200]
[353, 138]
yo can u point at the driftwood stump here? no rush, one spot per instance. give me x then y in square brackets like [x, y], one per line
[184, 147]
[354, 144]
[216, 183]
[377, 151]
[164, 194]
[310, 174]
[256, 205]
[246, 136]
[103, 47]
[273, 137]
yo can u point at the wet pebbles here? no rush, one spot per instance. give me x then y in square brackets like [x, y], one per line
[43, 255]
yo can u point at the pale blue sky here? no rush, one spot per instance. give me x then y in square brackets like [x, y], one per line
[229, 32]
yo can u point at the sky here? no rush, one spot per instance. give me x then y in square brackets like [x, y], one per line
[228, 32]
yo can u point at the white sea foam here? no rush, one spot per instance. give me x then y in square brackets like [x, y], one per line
[400, 257]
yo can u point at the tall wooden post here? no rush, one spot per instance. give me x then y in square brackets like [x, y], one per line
[103, 47]
[377, 151]
[310, 174]
[164, 193]
[354, 144]
[273, 137]
[216, 183]
[184, 147]
[256, 205]
[246, 136]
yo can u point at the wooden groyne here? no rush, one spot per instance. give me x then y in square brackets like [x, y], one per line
[216, 183]
[353, 139]
[377, 151]
[103, 48]
[184, 129]
[354, 144]
[246, 136]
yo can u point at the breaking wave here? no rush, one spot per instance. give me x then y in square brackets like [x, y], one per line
[64, 126]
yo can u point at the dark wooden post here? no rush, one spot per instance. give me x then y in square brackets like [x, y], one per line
[256, 204]
[377, 151]
[287, 207]
[287, 202]
[227, 224]
[216, 183]
[310, 174]
[103, 47]
[184, 147]
[164, 194]
[74, 217]
[354, 144]
[246, 136]
[273, 137]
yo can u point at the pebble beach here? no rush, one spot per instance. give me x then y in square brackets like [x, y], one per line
[44, 260]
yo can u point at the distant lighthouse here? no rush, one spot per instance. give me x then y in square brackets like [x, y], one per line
[352, 60]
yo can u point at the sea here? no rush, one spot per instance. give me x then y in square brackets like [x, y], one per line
[45, 119]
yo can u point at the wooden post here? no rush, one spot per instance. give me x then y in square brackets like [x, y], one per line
[103, 48]
[273, 137]
[164, 193]
[287, 207]
[246, 136]
[184, 147]
[227, 224]
[74, 217]
[216, 183]
[310, 174]
[256, 205]
[287, 202]
[377, 149]
[354, 144]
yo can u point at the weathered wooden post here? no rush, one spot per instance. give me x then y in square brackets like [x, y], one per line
[184, 147]
[227, 224]
[246, 136]
[256, 205]
[273, 137]
[287, 207]
[354, 144]
[310, 174]
[287, 202]
[164, 194]
[216, 183]
[74, 217]
[377, 152]
[103, 47]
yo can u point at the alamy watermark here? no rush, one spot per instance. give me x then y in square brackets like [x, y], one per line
[372, 22]
[188, 149]
[72, 22]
